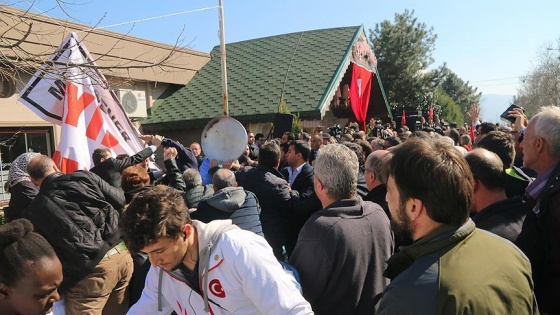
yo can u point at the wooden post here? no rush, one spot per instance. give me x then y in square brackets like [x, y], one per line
[223, 57]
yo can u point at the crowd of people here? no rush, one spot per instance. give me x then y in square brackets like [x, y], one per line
[439, 220]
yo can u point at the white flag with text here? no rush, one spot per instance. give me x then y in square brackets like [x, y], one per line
[75, 95]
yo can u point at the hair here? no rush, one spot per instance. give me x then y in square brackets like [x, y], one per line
[39, 166]
[269, 154]
[337, 170]
[122, 156]
[357, 149]
[427, 170]
[366, 147]
[393, 141]
[258, 136]
[134, 177]
[359, 135]
[376, 163]
[153, 214]
[19, 245]
[98, 154]
[301, 146]
[420, 134]
[198, 144]
[500, 143]
[223, 178]
[192, 178]
[465, 140]
[290, 136]
[547, 126]
[454, 134]
[306, 136]
[487, 167]
[486, 127]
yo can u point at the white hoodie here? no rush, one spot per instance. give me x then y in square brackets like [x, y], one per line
[244, 278]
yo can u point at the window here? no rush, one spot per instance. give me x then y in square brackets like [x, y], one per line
[15, 141]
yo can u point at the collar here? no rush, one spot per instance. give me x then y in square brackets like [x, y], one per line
[537, 186]
[443, 237]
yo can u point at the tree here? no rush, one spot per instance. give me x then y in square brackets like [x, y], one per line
[541, 86]
[404, 52]
[296, 121]
[462, 94]
[447, 108]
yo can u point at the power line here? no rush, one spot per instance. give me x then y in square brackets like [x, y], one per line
[501, 79]
[156, 17]
[498, 84]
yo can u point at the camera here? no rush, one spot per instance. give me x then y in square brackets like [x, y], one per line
[335, 131]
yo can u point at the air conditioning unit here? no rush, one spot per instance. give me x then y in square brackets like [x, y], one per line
[133, 102]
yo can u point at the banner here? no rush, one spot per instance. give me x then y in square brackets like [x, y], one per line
[360, 90]
[74, 94]
[431, 113]
[403, 118]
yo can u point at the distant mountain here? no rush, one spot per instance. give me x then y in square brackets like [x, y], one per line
[493, 105]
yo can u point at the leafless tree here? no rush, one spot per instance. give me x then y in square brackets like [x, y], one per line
[27, 41]
[541, 86]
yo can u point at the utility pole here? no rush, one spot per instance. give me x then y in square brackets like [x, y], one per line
[223, 58]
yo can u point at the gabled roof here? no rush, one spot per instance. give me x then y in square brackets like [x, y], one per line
[310, 63]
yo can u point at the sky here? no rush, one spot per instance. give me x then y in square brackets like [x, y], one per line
[489, 43]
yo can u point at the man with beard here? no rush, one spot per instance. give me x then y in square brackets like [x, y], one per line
[451, 267]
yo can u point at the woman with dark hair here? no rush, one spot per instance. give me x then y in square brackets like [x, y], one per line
[22, 190]
[30, 271]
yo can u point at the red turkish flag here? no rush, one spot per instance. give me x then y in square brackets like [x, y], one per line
[403, 119]
[360, 90]
[431, 112]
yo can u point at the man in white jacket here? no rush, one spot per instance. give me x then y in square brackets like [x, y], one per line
[199, 268]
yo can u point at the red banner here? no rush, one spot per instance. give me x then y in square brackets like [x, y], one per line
[360, 90]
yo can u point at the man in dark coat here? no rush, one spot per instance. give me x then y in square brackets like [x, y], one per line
[493, 211]
[278, 202]
[230, 202]
[195, 191]
[300, 177]
[110, 169]
[342, 249]
[78, 213]
[372, 175]
[541, 153]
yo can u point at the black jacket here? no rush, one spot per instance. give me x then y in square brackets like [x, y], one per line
[274, 195]
[21, 195]
[234, 203]
[196, 194]
[77, 215]
[303, 184]
[540, 241]
[503, 218]
[111, 169]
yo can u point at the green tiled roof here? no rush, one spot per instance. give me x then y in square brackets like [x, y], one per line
[256, 73]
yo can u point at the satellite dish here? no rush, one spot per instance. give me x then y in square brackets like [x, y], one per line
[223, 139]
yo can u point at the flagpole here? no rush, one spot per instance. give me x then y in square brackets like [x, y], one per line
[223, 58]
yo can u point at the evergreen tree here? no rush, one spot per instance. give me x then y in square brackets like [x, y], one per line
[404, 52]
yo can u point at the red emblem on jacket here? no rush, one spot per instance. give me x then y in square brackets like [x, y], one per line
[216, 288]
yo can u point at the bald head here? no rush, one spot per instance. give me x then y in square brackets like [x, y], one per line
[487, 167]
[223, 178]
[40, 167]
